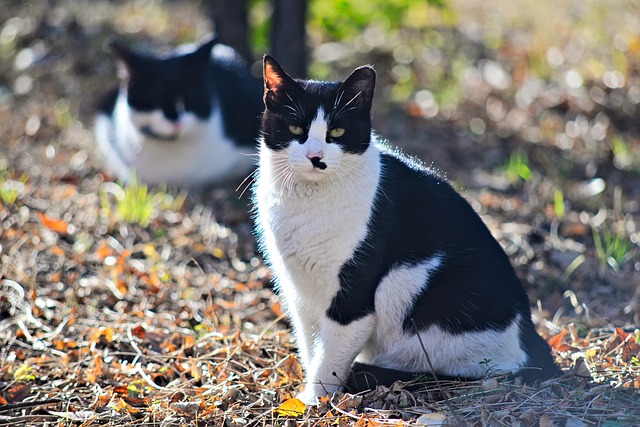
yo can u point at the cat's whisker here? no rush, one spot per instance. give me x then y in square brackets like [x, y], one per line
[298, 110]
[342, 110]
[289, 180]
[281, 174]
[279, 163]
[353, 99]
[295, 112]
[252, 154]
[251, 178]
[287, 183]
[338, 99]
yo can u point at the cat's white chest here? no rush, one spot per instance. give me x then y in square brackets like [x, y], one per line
[311, 229]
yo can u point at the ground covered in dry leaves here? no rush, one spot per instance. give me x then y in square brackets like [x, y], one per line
[148, 307]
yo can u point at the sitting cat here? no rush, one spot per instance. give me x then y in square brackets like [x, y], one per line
[377, 259]
[187, 119]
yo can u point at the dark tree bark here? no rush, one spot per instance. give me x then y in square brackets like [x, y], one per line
[231, 24]
[288, 35]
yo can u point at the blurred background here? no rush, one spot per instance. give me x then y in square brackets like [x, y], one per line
[531, 109]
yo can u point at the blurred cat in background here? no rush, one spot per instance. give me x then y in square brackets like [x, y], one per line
[186, 119]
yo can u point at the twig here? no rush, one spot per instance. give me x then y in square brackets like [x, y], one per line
[12, 406]
[433, 372]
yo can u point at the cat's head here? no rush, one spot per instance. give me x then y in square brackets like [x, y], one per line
[167, 96]
[317, 125]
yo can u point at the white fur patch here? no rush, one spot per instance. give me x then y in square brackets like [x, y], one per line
[470, 354]
[397, 293]
[201, 154]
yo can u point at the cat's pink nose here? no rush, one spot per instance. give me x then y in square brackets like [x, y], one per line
[318, 154]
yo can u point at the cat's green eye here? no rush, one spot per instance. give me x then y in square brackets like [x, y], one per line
[296, 130]
[336, 132]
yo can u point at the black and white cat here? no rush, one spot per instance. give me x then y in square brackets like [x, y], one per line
[187, 119]
[373, 254]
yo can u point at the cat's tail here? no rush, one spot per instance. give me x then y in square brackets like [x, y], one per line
[540, 363]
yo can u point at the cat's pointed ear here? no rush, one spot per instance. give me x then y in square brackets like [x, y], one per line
[127, 59]
[123, 52]
[203, 52]
[276, 80]
[357, 90]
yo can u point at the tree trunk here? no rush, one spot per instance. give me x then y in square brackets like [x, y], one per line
[288, 36]
[231, 24]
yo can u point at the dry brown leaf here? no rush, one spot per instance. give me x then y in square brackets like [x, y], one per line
[624, 335]
[119, 405]
[190, 408]
[630, 350]
[18, 392]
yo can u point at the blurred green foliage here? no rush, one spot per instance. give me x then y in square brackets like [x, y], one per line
[344, 19]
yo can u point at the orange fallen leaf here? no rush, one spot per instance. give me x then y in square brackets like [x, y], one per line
[57, 251]
[139, 332]
[124, 256]
[623, 335]
[120, 405]
[57, 225]
[366, 421]
[103, 251]
[121, 389]
[277, 309]
[107, 333]
[291, 408]
[122, 287]
[210, 410]
[555, 342]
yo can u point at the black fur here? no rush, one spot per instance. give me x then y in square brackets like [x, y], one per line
[200, 81]
[475, 289]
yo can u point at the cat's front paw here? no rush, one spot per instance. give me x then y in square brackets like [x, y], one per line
[308, 397]
[312, 394]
